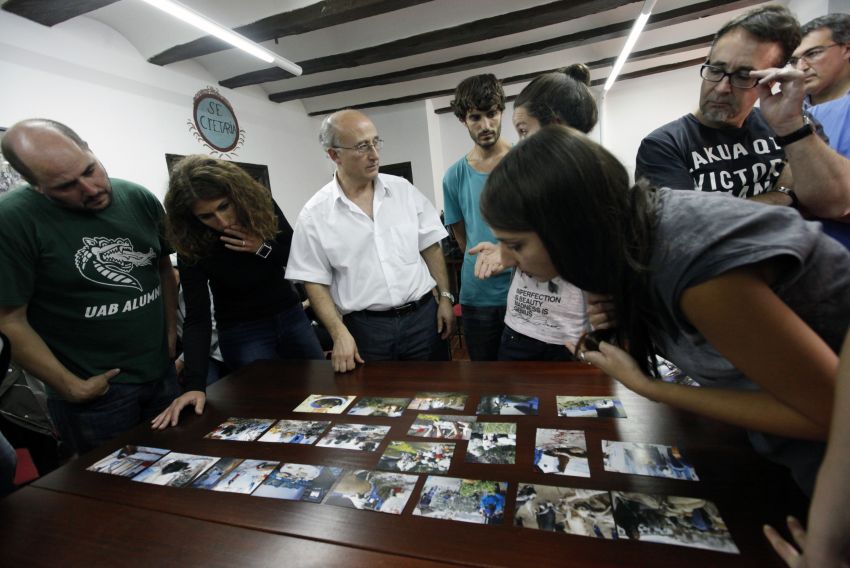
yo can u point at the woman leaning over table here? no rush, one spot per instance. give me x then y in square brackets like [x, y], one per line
[231, 236]
[751, 301]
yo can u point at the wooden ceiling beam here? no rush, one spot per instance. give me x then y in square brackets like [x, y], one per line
[479, 30]
[50, 12]
[595, 82]
[388, 78]
[307, 19]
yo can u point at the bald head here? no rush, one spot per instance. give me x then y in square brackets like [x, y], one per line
[335, 124]
[344, 134]
[57, 163]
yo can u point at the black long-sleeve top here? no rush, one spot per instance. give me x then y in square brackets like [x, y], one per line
[244, 287]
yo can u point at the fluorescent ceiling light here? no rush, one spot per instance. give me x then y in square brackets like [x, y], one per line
[203, 23]
[640, 22]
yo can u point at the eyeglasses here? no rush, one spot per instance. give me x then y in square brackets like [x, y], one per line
[364, 147]
[811, 55]
[739, 79]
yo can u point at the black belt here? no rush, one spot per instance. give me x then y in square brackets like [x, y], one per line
[403, 309]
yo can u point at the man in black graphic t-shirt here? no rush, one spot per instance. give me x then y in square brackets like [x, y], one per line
[727, 145]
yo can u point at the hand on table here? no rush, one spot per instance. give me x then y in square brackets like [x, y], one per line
[236, 238]
[171, 415]
[488, 259]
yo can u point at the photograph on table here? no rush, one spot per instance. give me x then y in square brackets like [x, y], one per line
[216, 473]
[382, 491]
[299, 482]
[683, 521]
[582, 512]
[324, 404]
[448, 426]
[176, 469]
[246, 476]
[295, 431]
[380, 406]
[492, 442]
[128, 461]
[439, 401]
[363, 437]
[465, 500]
[590, 407]
[562, 452]
[241, 429]
[508, 404]
[637, 458]
[417, 457]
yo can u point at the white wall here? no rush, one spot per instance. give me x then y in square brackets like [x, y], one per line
[132, 113]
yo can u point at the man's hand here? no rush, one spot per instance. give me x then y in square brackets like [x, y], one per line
[782, 109]
[171, 415]
[445, 318]
[488, 259]
[600, 311]
[83, 390]
[345, 354]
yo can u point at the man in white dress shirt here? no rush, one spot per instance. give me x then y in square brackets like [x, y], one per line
[367, 247]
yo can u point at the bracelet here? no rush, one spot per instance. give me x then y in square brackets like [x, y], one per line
[790, 193]
[798, 134]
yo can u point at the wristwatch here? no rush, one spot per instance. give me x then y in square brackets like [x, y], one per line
[264, 251]
[798, 134]
[448, 295]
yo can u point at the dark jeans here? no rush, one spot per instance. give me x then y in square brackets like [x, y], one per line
[518, 347]
[482, 329]
[395, 338]
[288, 335]
[86, 425]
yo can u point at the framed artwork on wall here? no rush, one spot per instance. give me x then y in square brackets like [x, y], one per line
[9, 178]
[257, 171]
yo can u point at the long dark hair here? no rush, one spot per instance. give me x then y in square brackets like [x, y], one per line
[597, 228]
[561, 97]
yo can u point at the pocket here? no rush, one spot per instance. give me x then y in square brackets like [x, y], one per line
[405, 242]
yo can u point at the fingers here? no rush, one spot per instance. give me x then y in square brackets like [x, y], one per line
[783, 548]
[797, 532]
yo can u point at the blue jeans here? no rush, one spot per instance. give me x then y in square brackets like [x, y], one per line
[288, 335]
[395, 338]
[518, 347]
[87, 425]
[482, 329]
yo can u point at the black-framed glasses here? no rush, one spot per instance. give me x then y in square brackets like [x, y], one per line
[740, 79]
[364, 147]
[812, 54]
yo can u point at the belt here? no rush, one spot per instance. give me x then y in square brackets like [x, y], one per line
[403, 309]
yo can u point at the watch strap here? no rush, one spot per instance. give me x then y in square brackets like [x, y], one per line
[805, 130]
[264, 250]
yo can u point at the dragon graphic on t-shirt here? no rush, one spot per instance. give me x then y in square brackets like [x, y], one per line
[110, 261]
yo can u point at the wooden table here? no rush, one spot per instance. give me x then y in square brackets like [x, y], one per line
[76, 517]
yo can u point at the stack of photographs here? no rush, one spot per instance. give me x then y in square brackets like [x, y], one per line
[439, 401]
[508, 404]
[363, 437]
[380, 406]
[382, 491]
[465, 500]
[324, 404]
[492, 442]
[590, 407]
[240, 429]
[562, 452]
[417, 457]
[655, 460]
[295, 432]
[448, 426]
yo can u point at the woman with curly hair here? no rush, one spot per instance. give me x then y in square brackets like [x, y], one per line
[233, 240]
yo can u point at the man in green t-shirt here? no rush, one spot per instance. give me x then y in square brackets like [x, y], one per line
[87, 294]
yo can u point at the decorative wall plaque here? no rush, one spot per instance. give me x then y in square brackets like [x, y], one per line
[214, 123]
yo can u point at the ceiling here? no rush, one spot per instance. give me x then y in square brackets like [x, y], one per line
[366, 53]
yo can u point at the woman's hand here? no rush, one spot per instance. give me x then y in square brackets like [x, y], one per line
[618, 364]
[600, 311]
[236, 238]
[785, 549]
[171, 415]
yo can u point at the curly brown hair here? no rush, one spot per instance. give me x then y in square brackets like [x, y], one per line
[196, 178]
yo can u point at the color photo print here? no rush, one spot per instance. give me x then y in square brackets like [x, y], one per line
[417, 457]
[128, 461]
[562, 452]
[439, 401]
[465, 500]
[683, 521]
[583, 512]
[590, 407]
[241, 429]
[655, 460]
[176, 469]
[492, 442]
[448, 426]
[382, 491]
[324, 404]
[363, 437]
[295, 432]
[508, 404]
[299, 482]
[380, 406]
